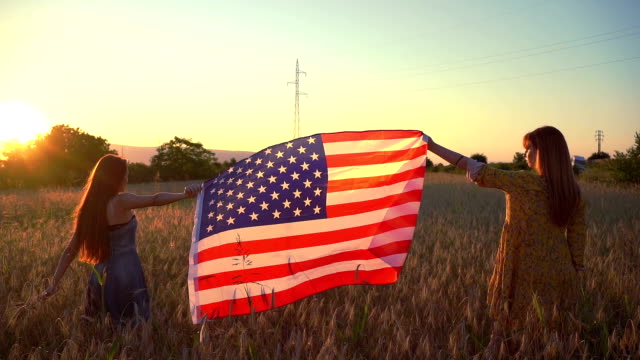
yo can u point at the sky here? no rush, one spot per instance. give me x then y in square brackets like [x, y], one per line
[474, 75]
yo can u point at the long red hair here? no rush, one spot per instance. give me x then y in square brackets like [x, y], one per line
[553, 163]
[90, 226]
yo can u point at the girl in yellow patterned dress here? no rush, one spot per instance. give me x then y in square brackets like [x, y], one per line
[542, 243]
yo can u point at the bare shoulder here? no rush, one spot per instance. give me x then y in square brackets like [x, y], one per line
[128, 201]
[122, 198]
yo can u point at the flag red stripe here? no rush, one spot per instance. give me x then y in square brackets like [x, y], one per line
[307, 240]
[370, 135]
[283, 270]
[374, 204]
[374, 157]
[314, 286]
[374, 181]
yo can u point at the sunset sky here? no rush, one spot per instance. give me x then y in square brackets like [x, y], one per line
[475, 75]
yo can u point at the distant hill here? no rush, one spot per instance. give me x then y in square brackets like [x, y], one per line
[142, 154]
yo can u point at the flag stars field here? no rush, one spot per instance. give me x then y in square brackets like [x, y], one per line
[260, 175]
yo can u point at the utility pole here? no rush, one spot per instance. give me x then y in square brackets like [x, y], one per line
[599, 137]
[296, 115]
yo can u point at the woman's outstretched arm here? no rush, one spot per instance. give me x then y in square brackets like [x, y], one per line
[67, 257]
[471, 166]
[126, 201]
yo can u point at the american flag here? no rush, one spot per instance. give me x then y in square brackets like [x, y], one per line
[305, 216]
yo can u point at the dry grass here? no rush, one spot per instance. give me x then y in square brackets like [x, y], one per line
[436, 310]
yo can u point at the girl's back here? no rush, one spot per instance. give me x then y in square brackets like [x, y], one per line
[125, 289]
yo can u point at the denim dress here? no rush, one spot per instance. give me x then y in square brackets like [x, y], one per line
[125, 290]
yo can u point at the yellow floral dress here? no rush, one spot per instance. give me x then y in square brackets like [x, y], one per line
[536, 258]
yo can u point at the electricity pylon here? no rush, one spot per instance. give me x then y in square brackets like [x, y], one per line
[296, 115]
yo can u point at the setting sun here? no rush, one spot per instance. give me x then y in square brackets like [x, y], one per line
[21, 122]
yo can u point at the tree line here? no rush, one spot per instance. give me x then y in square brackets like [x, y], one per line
[65, 156]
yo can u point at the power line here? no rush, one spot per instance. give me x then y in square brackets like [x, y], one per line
[296, 114]
[523, 56]
[467, 22]
[573, 68]
[416, 70]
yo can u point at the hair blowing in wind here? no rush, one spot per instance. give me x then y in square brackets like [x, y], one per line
[91, 215]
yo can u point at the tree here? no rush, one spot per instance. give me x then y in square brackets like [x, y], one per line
[64, 156]
[13, 169]
[182, 159]
[626, 166]
[479, 157]
[70, 154]
[140, 173]
[438, 168]
[598, 156]
[429, 163]
[519, 161]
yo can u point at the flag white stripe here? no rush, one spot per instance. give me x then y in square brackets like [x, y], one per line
[349, 196]
[353, 172]
[237, 292]
[301, 254]
[307, 227]
[196, 227]
[364, 146]
[192, 259]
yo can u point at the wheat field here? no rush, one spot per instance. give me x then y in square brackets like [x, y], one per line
[436, 310]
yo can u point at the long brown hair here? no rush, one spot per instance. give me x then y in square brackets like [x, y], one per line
[553, 163]
[90, 226]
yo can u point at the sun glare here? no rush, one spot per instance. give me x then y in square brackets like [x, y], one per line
[21, 123]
